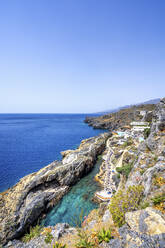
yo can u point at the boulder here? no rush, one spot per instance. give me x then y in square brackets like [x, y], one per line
[147, 221]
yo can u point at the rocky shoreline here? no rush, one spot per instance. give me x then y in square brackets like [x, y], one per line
[35, 194]
[135, 214]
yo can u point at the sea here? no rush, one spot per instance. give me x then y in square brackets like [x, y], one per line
[29, 142]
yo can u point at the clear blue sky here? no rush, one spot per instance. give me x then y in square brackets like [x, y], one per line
[80, 55]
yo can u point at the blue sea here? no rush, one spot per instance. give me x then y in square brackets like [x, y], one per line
[28, 142]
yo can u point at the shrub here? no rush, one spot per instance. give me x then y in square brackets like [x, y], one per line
[155, 158]
[125, 169]
[144, 205]
[125, 201]
[146, 132]
[159, 181]
[104, 235]
[142, 171]
[48, 239]
[159, 202]
[34, 232]
[84, 241]
[128, 142]
[58, 245]
[158, 199]
[118, 175]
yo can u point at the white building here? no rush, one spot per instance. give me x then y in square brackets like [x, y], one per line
[139, 125]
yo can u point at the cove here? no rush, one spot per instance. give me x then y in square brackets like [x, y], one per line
[76, 202]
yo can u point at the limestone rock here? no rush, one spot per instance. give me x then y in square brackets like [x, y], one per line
[106, 216]
[159, 117]
[146, 221]
[132, 239]
[148, 175]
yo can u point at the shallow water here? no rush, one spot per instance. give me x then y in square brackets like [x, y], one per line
[77, 202]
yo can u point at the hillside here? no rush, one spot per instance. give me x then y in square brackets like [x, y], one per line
[121, 118]
[152, 101]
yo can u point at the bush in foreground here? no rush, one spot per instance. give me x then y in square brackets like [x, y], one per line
[104, 235]
[84, 240]
[33, 233]
[58, 245]
[125, 201]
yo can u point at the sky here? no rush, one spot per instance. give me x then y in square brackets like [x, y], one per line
[80, 56]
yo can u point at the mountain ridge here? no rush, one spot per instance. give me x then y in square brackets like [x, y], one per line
[113, 110]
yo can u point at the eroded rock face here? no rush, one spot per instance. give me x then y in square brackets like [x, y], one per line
[147, 221]
[143, 229]
[21, 205]
[130, 238]
[159, 116]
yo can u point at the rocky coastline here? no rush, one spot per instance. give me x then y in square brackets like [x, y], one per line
[122, 118]
[135, 214]
[35, 194]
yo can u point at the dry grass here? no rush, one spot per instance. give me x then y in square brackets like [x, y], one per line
[70, 240]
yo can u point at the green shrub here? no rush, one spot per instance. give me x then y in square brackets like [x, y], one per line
[125, 201]
[84, 241]
[58, 245]
[142, 171]
[144, 205]
[125, 169]
[48, 239]
[155, 158]
[34, 232]
[104, 235]
[128, 142]
[146, 132]
[158, 199]
[118, 175]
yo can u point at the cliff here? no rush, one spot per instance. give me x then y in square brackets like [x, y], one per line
[24, 203]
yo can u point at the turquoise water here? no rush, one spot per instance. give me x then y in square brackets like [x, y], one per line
[78, 201]
[121, 133]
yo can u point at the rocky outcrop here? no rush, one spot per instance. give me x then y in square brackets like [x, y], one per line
[158, 121]
[24, 203]
[143, 228]
[130, 238]
[148, 221]
[58, 231]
